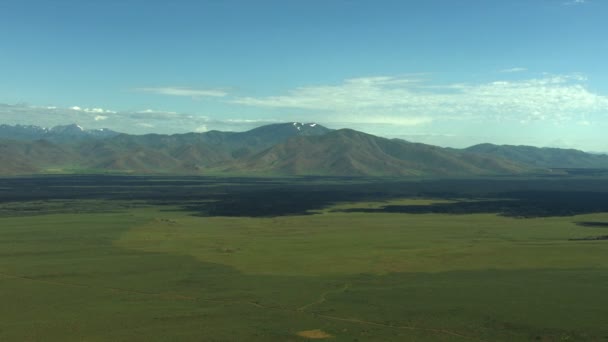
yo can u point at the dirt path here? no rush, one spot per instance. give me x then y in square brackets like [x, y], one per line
[322, 299]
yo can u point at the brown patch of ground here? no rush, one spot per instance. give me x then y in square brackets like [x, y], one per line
[314, 334]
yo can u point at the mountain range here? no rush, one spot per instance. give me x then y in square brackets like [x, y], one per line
[279, 149]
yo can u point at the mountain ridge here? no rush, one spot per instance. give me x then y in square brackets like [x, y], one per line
[284, 149]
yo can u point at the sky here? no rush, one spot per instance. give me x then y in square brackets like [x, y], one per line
[443, 72]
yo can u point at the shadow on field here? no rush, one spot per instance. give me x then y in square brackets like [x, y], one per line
[268, 197]
[592, 224]
[279, 202]
[520, 204]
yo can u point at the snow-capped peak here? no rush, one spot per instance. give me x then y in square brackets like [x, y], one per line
[299, 125]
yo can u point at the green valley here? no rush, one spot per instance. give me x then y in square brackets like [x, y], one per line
[157, 269]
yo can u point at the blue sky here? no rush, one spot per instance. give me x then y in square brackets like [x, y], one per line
[452, 73]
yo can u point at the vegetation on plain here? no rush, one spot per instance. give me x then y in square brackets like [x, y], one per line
[102, 262]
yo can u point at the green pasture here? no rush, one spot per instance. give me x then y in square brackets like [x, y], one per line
[135, 272]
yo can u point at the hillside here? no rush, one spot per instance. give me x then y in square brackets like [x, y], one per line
[545, 157]
[18, 157]
[347, 152]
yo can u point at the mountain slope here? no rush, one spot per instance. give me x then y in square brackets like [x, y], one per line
[12, 160]
[350, 153]
[543, 157]
[32, 156]
[189, 152]
[180, 149]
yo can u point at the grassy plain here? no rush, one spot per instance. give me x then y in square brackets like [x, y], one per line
[135, 271]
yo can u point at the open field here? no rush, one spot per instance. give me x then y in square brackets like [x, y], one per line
[158, 259]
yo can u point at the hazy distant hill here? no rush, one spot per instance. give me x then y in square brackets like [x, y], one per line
[278, 149]
[543, 157]
[58, 133]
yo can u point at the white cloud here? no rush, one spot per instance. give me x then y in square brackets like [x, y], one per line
[201, 128]
[100, 117]
[181, 91]
[404, 101]
[513, 70]
[88, 110]
[94, 110]
[153, 111]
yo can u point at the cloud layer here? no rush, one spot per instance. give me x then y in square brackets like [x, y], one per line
[406, 101]
[136, 122]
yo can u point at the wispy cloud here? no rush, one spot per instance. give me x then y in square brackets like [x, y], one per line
[575, 2]
[513, 70]
[408, 101]
[183, 91]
